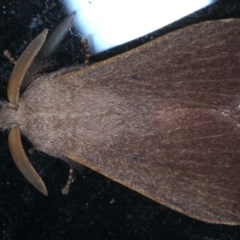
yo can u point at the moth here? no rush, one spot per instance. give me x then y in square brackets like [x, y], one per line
[161, 119]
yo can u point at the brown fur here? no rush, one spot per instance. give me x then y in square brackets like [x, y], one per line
[162, 119]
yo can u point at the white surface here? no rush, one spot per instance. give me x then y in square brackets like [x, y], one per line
[108, 23]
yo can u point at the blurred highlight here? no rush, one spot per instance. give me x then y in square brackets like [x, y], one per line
[109, 23]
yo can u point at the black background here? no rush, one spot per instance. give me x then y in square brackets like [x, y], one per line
[96, 207]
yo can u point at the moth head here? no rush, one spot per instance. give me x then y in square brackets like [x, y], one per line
[10, 119]
[8, 115]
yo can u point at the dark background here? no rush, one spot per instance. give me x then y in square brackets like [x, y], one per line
[96, 207]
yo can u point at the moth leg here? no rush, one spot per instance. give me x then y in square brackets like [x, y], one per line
[7, 54]
[70, 180]
[87, 51]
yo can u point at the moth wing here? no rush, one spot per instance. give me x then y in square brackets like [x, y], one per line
[196, 165]
[189, 162]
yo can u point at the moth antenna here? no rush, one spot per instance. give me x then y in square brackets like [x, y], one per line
[14, 139]
[55, 37]
[22, 162]
[22, 65]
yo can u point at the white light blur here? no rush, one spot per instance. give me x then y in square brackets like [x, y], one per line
[108, 23]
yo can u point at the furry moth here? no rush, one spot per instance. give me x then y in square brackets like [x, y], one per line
[161, 119]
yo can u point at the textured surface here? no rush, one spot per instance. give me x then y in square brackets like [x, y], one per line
[96, 208]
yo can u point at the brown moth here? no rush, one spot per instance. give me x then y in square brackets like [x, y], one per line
[161, 119]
